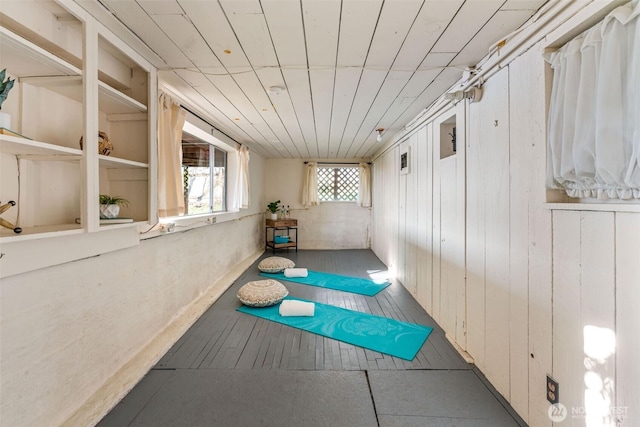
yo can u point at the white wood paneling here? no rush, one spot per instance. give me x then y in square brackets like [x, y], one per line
[436, 226]
[449, 268]
[423, 154]
[627, 270]
[394, 24]
[459, 235]
[568, 354]
[424, 157]
[494, 143]
[519, 194]
[370, 83]
[530, 328]
[357, 23]
[584, 312]
[499, 24]
[466, 23]
[427, 27]
[134, 16]
[401, 224]
[250, 27]
[300, 92]
[187, 38]
[287, 31]
[597, 279]
[475, 237]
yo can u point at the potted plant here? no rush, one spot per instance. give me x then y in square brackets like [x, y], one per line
[110, 206]
[273, 208]
[5, 87]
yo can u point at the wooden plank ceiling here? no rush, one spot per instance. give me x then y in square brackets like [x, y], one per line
[347, 67]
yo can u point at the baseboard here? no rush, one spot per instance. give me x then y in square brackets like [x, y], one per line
[121, 383]
[466, 356]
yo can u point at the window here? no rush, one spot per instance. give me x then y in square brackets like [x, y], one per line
[338, 184]
[593, 112]
[204, 171]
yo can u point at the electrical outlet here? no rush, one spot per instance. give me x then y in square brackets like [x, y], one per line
[553, 390]
[211, 220]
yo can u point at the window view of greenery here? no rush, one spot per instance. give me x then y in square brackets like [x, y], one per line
[338, 184]
[204, 173]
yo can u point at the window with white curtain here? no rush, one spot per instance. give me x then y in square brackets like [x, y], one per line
[594, 112]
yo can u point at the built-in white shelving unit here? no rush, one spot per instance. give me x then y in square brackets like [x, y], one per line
[73, 79]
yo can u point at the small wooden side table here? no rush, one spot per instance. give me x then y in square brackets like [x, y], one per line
[281, 227]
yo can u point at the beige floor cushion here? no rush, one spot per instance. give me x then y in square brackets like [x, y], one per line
[275, 264]
[262, 293]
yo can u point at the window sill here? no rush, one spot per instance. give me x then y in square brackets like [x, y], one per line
[184, 223]
[601, 207]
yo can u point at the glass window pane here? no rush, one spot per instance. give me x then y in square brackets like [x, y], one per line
[219, 180]
[204, 169]
[196, 175]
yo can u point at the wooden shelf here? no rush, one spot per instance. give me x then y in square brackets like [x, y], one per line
[23, 146]
[38, 232]
[30, 60]
[117, 163]
[110, 100]
[290, 244]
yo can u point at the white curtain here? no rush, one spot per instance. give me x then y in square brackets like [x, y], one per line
[170, 190]
[594, 114]
[242, 197]
[310, 185]
[364, 188]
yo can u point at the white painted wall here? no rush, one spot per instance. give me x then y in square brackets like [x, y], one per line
[67, 329]
[331, 225]
[544, 283]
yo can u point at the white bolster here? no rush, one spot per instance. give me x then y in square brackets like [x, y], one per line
[291, 307]
[295, 272]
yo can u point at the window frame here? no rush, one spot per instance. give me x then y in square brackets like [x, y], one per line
[335, 186]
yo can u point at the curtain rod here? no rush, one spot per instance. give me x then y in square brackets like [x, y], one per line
[337, 163]
[207, 122]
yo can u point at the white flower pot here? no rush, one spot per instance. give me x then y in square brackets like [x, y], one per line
[109, 211]
[274, 216]
[5, 120]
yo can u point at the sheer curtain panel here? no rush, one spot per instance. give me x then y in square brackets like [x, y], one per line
[364, 189]
[310, 185]
[242, 182]
[170, 190]
[594, 114]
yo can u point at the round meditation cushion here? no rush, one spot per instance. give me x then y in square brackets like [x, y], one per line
[262, 293]
[275, 264]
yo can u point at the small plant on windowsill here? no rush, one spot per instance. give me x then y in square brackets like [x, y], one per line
[110, 206]
[5, 87]
[273, 209]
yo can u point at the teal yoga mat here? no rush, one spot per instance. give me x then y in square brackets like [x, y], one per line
[356, 285]
[381, 334]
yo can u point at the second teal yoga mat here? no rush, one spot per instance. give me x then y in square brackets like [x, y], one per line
[381, 334]
[356, 285]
